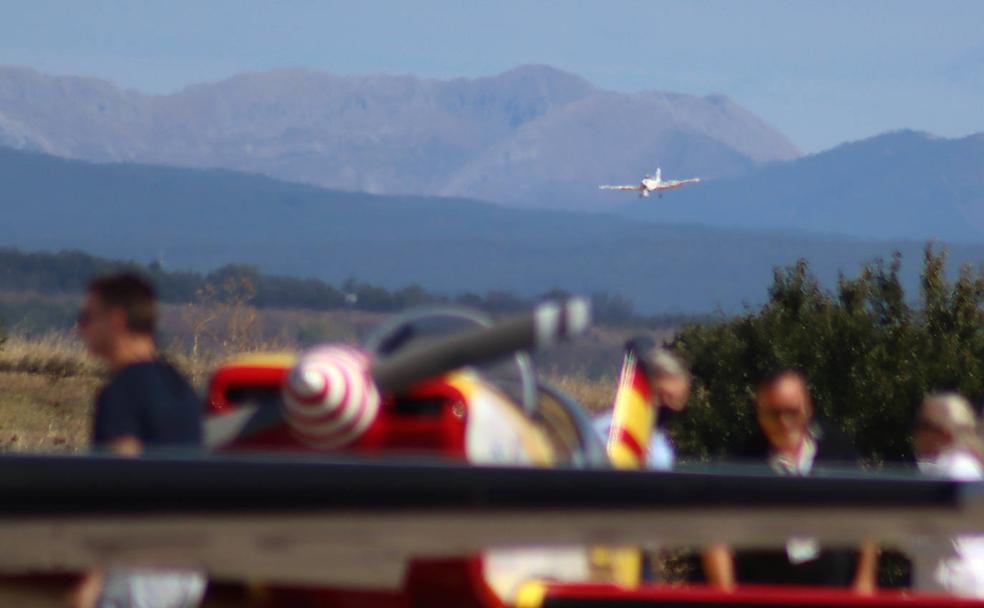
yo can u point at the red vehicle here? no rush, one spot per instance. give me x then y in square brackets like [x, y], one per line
[457, 416]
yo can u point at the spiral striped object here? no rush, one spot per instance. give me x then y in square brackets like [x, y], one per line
[330, 398]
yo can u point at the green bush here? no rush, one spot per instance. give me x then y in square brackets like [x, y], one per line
[870, 354]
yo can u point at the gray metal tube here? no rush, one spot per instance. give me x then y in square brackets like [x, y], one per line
[544, 326]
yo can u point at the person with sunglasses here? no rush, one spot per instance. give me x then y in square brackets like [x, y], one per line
[791, 443]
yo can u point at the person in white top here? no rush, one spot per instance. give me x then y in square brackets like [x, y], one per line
[947, 446]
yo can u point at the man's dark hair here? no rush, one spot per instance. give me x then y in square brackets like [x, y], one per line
[772, 377]
[132, 294]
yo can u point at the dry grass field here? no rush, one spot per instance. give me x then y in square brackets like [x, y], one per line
[48, 383]
[46, 391]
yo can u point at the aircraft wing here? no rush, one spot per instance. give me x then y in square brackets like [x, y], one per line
[677, 183]
[333, 521]
[632, 188]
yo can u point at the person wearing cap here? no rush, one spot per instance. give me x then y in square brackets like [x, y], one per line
[947, 446]
[792, 444]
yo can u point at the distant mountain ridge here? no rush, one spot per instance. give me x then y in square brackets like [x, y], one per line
[899, 185]
[532, 136]
[204, 219]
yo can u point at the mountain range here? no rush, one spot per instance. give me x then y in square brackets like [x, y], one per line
[310, 174]
[532, 137]
[203, 219]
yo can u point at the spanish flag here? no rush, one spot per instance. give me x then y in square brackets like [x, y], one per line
[633, 417]
[633, 414]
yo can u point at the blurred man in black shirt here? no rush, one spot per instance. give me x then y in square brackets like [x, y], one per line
[146, 405]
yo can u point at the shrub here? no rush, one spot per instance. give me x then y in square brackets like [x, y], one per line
[869, 352]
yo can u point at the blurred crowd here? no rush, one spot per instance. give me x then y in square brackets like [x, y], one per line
[792, 441]
[147, 404]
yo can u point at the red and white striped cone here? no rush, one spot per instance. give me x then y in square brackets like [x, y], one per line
[330, 398]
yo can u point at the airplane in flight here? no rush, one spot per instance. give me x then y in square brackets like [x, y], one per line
[654, 183]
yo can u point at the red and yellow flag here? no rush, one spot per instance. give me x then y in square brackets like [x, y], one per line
[628, 447]
[633, 415]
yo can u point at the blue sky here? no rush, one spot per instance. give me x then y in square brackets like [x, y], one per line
[822, 72]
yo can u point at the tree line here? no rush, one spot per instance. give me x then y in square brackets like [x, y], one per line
[68, 272]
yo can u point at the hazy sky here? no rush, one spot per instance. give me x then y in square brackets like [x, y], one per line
[822, 72]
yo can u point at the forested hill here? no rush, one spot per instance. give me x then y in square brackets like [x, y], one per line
[202, 220]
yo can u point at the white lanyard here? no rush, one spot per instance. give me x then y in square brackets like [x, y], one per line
[798, 549]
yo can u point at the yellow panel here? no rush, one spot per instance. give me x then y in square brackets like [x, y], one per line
[268, 359]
